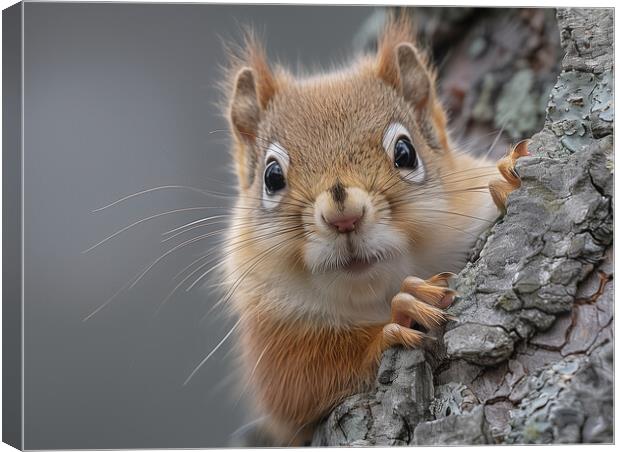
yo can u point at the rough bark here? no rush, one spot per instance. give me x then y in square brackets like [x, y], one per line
[529, 358]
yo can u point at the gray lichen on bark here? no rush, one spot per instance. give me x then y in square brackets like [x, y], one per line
[529, 358]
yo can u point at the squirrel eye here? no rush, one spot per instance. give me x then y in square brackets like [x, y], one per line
[405, 155]
[274, 177]
[398, 144]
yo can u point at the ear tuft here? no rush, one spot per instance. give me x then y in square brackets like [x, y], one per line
[397, 30]
[249, 84]
[400, 64]
[257, 59]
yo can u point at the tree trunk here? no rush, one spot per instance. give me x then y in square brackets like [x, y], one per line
[529, 358]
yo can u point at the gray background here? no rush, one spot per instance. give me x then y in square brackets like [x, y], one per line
[119, 98]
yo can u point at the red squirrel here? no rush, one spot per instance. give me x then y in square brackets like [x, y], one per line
[353, 206]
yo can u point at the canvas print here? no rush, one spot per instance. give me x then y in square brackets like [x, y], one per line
[303, 225]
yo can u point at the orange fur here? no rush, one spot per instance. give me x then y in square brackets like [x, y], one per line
[299, 372]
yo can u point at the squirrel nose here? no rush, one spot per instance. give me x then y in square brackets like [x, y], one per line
[344, 223]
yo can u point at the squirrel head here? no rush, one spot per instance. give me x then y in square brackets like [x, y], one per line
[338, 172]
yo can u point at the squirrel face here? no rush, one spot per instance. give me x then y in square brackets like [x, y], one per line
[353, 162]
[340, 174]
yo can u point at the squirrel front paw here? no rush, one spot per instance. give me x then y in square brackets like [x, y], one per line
[501, 188]
[420, 302]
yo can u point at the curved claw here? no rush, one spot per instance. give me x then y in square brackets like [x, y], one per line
[395, 334]
[419, 302]
[434, 291]
[501, 188]
[441, 279]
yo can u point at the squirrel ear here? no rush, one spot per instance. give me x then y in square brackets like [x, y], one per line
[253, 86]
[414, 80]
[405, 69]
[244, 116]
[249, 85]
[244, 106]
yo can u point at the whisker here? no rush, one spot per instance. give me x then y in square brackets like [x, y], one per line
[143, 220]
[173, 291]
[254, 240]
[248, 380]
[188, 242]
[150, 190]
[239, 280]
[433, 223]
[454, 213]
[215, 349]
[204, 256]
[186, 227]
[245, 223]
[107, 302]
[167, 253]
[216, 266]
[499, 134]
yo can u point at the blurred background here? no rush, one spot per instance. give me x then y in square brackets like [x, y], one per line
[121, 98]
